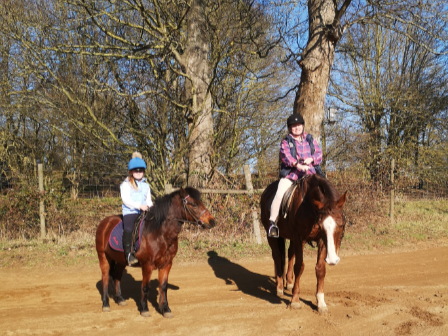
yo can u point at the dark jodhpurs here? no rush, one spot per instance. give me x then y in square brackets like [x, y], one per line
[128, 221]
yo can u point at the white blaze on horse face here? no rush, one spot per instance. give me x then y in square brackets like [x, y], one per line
[329, 226]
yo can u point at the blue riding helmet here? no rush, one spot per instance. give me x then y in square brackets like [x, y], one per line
[136, 163]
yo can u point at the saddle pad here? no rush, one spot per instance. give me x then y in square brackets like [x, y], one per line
[116, 237]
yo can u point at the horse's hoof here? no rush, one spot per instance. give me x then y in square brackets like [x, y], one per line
[168, 315]
[106, 309]
[296, 305]
[122, 303]
[289, 287]
[279, 293]
[145, 314]
[322, 310]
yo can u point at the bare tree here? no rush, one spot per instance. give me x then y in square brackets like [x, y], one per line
[165, 77]
[329, 19]
[396, 89]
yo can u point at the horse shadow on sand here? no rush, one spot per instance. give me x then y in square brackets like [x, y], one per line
[257, 285]
[131, 289]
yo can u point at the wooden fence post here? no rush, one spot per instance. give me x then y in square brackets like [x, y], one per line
[41, 203]
[168, 188]
[250, 189]
[392, 191]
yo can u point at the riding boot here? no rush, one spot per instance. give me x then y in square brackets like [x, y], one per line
[273, 230]
[127, 247]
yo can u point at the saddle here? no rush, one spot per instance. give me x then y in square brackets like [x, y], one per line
[287, 197]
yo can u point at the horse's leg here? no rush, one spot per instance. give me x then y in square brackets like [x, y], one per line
[278, 254]
[105, 268]
[299, 266]
[118, 273]
[147, 269]
[320, 275]
[290, 273]
[163, 287]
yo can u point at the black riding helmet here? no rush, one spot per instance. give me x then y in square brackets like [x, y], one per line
[295, 119]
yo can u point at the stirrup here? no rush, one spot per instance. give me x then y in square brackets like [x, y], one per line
[131, 259]
[273, 231]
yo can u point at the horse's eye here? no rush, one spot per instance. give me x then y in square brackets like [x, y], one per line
[193, 205]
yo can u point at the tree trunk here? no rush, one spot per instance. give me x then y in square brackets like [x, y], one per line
[200, 121]
[317, 60]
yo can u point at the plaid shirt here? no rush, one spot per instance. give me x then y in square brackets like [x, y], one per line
[303, 152]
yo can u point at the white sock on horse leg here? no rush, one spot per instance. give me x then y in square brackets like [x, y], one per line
[320, 300]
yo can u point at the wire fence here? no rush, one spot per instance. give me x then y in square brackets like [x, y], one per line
[80, 184]
[407, 184]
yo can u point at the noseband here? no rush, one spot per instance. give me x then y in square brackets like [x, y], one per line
[196, 221]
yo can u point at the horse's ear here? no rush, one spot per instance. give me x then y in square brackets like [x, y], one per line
[318, 204]
[342, 200]
[182, 192]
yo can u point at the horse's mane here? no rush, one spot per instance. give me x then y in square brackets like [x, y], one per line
[327, 193]
[157, 213]
[328, 190]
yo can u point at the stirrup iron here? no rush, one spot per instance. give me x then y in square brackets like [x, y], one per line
[273, 231]
[131, 259]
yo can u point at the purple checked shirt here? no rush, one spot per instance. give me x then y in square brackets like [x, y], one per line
[303, 152]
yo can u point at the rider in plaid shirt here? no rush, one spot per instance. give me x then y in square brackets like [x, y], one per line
[303, 153]
[293, 168]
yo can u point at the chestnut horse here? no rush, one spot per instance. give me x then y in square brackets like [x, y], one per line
[315, 214]
[158, 245]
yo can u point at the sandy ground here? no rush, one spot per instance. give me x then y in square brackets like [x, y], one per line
[383, 294]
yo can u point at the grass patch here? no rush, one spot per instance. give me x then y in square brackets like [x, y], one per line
[422, 219]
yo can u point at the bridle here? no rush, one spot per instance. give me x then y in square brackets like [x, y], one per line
[196, 221]
[320, 213]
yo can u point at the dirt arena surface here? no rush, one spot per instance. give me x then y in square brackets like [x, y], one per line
[384, 294]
